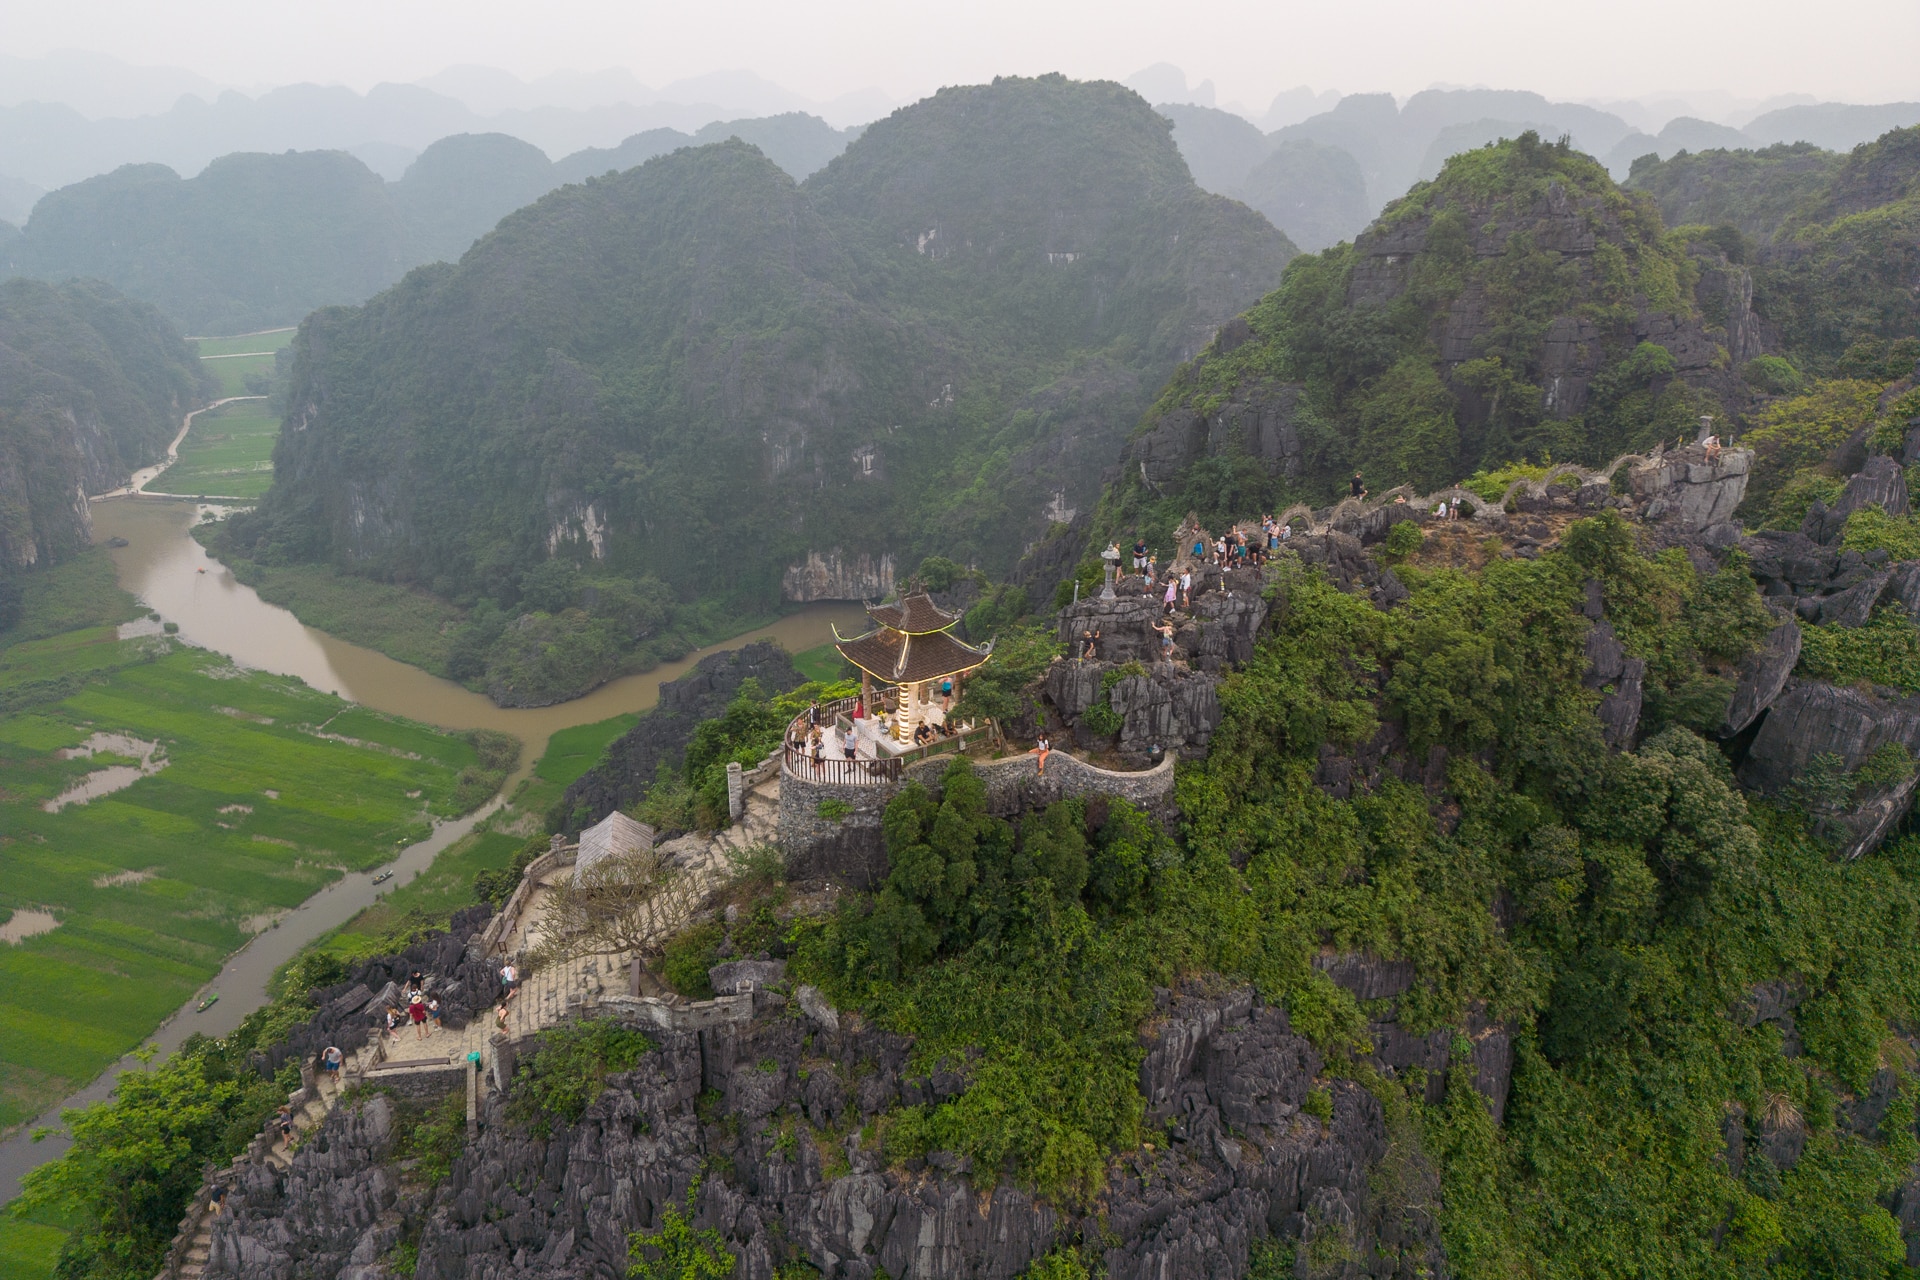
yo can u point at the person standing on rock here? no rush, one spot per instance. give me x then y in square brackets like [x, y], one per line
[1166, 641]
[330, 1060]
[1173, 593]
[1186, 590]
[1042, 747]
[1359, 489]
[1139, 554]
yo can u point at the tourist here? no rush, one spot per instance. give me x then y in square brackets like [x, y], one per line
[417, 1014]
[330, 1060]
[500, 1015]
[813, 714]
[1359, 489]
[1713, 448]
[819, 749]
[1286, 531]
[1173, 592]
[847, 744]
[923, 734]
[509, 980]
[393, 1023]
[1453, 509]
[946, 694]
[283, 1121]
[1042, 748]
[433, 1016]
[1200, 545]
[218, 1200]
[416, 981]
[1166, 640]
[1139, 554]
[1441, 510]
[1186, 590]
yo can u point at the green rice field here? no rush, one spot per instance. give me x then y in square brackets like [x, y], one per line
[227, 454]
[270, 789]
[822, 662]
[235, 360]
[571, 752]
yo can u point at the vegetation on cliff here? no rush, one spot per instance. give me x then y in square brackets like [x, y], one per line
[1838, 243]
[1615, 911]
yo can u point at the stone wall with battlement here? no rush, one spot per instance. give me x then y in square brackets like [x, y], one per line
[844, 845]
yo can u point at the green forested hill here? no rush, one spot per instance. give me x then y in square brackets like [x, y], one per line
[259, 240]
[251, 242]
[699, 374]
[1519, 306]
[1836, 249]
[92, 385]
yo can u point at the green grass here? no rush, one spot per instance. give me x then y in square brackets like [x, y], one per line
[571, 752]
[126, 955]
[430, 899]
[410, 626]
[822, 663]
[228, 453]
[243, 343]
[28, 1250]
[80, 592]
[241, 375]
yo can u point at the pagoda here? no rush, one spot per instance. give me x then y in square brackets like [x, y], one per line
[910, 649]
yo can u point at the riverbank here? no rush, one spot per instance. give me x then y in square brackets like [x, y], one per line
[172, 575]
[161, 807]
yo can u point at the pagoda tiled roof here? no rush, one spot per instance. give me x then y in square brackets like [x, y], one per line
[917, 615]
[899, 657]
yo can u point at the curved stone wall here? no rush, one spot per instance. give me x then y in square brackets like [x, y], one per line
[849, 849]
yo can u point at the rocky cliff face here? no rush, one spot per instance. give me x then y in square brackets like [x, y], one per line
[92, 385]
[766, 1119]
[833, 575]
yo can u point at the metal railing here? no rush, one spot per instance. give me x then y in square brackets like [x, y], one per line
[836, 768]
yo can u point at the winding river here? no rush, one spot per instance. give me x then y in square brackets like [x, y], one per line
[174, 576]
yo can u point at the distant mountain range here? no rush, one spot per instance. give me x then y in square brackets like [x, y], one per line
[258, 240]
[1321, 180]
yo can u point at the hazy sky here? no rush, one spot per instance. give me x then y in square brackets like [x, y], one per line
[1850, 50]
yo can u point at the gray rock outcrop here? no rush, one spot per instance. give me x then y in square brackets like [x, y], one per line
[1224, 1077]
[1813, 719]
[1685, 489]
[1763, 674]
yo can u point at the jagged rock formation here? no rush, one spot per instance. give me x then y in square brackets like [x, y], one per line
[1224, 1075]
[633, 760]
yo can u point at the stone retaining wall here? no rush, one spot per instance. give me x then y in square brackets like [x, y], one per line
[849, 850]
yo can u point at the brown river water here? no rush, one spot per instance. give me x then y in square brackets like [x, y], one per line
[163, 567]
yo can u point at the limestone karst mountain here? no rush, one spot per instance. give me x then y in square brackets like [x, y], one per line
[702, 371]
[92, 385]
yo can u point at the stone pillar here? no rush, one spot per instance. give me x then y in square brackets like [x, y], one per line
[473, 1095]
[633, 977]
[502, 1061]
[736, 791]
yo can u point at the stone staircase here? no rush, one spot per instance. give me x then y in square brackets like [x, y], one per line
[548, 997]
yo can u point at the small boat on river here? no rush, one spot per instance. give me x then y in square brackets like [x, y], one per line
[207, 1001]
[384, 875]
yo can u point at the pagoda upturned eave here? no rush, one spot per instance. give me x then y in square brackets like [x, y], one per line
[904, 658]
